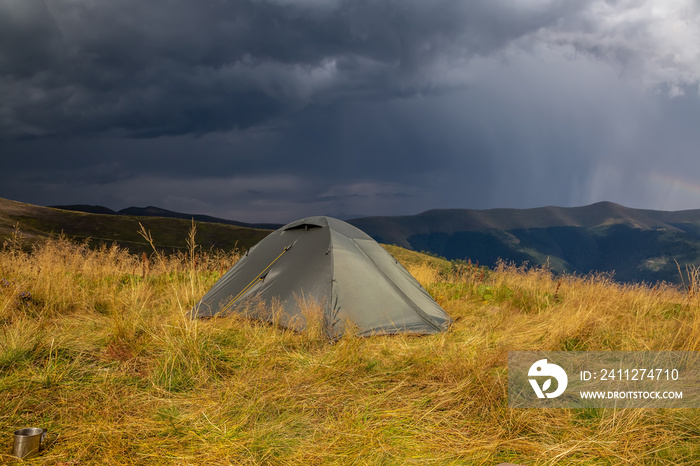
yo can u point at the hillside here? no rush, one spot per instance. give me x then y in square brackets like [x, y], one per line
[637, 245]
[97, 347]
[35, 223]
[152, 211]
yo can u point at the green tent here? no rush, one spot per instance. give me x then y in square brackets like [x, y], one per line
[351, 278]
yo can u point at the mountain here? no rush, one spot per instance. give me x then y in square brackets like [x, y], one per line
[35, 223]
[152, 211]
[636, 245]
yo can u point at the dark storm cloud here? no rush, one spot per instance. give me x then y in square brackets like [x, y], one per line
[162, 68]
[270, 110]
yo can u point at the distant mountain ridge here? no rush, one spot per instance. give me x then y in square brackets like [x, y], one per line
[152, 211]
[590, 216]
[103, 226]
[634, 244]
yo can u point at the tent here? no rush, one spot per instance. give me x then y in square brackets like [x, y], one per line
[349, 278]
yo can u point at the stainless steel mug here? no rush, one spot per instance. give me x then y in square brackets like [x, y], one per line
[28, 441]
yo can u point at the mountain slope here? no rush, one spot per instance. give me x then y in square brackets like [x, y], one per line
[635, 244]
[152, 211]
[35, 222]
[591, 216]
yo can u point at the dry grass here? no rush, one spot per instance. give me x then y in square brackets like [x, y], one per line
[96, 346]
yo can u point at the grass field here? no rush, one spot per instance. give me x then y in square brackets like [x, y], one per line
[95, 346]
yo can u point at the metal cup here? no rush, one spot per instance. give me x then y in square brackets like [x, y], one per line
[27, 441]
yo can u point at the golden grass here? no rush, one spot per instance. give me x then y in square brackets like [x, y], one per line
[96, 346]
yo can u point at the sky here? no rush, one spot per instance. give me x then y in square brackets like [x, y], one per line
[272, 110]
